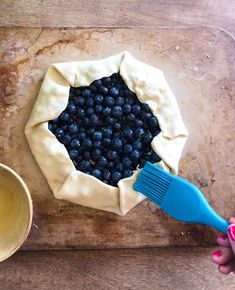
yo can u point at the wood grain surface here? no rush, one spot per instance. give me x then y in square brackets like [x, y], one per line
[153, 269]
[113, 13]
[199, 66]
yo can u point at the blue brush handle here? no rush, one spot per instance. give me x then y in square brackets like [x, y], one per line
[185, 202]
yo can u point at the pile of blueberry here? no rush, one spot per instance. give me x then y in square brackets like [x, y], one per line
[107, 130]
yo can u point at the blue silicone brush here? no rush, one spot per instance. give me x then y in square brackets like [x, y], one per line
[176, 196]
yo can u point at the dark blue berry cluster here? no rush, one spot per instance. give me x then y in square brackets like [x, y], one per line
[107, 130]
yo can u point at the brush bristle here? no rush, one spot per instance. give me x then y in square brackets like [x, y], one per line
[153, 182]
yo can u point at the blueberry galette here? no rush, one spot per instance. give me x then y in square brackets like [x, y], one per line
[96, 123]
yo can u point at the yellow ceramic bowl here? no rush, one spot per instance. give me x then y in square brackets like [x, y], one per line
[16, 212]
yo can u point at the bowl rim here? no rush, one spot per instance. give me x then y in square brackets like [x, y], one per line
[30, 203]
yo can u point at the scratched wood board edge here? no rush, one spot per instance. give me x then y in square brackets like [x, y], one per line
[117, 14]
[174, 268]
[58, 224]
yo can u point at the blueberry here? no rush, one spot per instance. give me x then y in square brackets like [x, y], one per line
[139, 123]
[110, 165]
[107, 111]
[146, 116]
[145, 108]
[117, 111]
[96, 153]
[86, 155]
[127, 108]
[102, 162]
[90, 111]
[97, 135]
[71, 108]
[81, 136]
[99, 99]
[80, 113]
[116, 176]
[152, 122]
[64, 117]
[86, 93]
[130, 99]
[139, 133]
[147, 148]
[109, 101]
[79, 158]
[91, 131]
[59, 132]
[148, 137]
[75, 143]
[50, 127]
[135, 154]
[65, 139]
[103, 90]
[73, 153]
[155, 131]
[106, 81]
[87, 143]
[84, 165]
[107, 132]
[131, 117]
[120, 101]
[117, 126]
[90, 102]
[106, 142]
[98, 109]
[80, 101]
[114, 91]
[135, 109]
[93, 88]
[112, 155]
[111, 120]
[129, 93]
[97, 144]
[97, 83]
[119, 167]
[106, 174]
[64, 127]
[127, 173]
[154, 157]
[96, 173]
[127, 148]
[128, 133]
[137, 145]
[86, 122]
[117, 144]
[73, 129]
[94, 120]
[126, 162]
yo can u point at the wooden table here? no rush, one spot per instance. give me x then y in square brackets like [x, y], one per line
[199, 65]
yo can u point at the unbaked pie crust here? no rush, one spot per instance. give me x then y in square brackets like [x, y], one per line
[52, 157]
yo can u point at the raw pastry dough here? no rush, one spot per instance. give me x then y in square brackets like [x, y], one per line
[72, 185]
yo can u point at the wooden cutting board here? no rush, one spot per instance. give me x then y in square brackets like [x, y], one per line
[198, 64]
